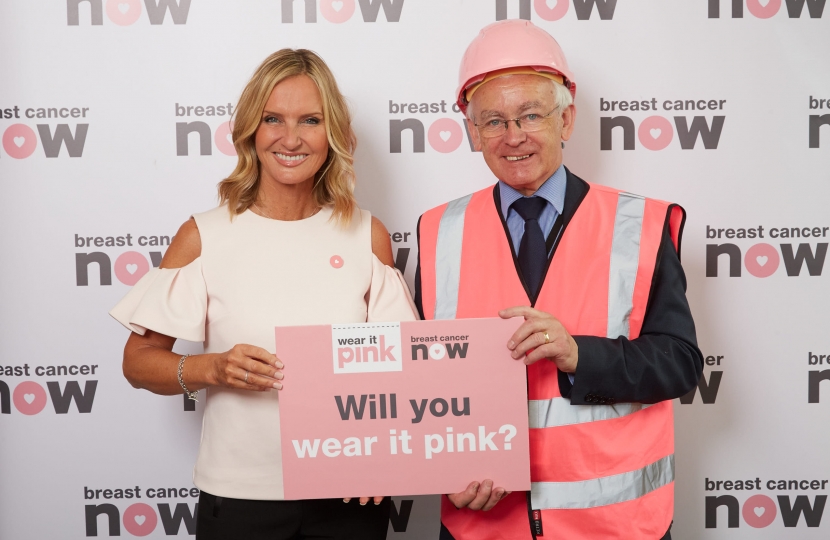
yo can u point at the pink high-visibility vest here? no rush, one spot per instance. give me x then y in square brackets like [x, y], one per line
[597, 471]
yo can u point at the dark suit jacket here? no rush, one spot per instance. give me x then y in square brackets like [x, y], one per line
[663, 363]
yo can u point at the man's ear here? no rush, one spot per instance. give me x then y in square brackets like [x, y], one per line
[474, 135]
[568, 120]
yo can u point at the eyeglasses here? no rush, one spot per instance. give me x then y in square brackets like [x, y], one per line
[528, 123]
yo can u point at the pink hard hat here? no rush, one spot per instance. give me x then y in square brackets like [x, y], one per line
[511, 44]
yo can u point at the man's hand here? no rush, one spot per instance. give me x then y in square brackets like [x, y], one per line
[558, 345]
[478, 496]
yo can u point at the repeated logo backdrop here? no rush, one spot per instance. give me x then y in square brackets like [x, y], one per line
[115, 118]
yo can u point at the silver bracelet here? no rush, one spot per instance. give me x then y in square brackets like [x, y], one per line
[188, 393]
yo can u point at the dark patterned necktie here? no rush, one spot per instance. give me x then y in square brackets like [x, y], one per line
[532, 250]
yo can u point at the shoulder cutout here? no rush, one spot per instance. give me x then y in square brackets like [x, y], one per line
[185, 247]
[381, 244]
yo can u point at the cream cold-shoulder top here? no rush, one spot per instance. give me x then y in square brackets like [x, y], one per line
[253, 274]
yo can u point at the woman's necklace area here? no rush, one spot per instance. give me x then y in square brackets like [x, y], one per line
[262, 212]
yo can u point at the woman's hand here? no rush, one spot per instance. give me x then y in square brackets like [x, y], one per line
[364, 500]
[248, 368]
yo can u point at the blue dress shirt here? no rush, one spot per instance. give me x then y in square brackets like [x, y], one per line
[552, 191]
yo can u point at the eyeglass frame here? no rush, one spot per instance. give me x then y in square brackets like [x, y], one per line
[517, 120]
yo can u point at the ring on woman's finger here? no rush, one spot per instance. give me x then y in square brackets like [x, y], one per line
[547, 338]
[246, 377]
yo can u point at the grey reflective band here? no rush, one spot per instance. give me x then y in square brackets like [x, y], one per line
[546, 413]
[602, 491]
[448, 258]
[625, 258]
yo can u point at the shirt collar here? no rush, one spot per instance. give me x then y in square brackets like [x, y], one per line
[553, 191]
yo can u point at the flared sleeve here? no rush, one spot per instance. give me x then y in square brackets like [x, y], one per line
[170, 301]
[389, 298]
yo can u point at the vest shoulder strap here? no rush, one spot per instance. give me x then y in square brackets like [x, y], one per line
[440, 237]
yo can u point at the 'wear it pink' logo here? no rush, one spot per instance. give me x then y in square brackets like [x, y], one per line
[366, 347]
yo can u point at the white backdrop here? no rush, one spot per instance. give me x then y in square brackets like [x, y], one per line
[94, 92]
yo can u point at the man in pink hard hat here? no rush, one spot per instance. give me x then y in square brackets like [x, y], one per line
[608, 337]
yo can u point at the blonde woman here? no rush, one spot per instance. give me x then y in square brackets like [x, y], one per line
[287, 246]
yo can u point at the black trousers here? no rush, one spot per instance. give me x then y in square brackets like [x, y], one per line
[221, 518]
[445, 534]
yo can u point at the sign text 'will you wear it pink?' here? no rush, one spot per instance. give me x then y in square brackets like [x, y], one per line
[402, 408]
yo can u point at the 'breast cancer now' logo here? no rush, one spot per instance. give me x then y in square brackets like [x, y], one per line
[553, 10]
[762, 259]
[366, 348]
[759, 510]
[30, 398]
[761, 9]
[444, 134]
[207, 137]
[20, 140]
[340, 11]
[140, 518]
[127, 12]
[655, 131]
[128, 266]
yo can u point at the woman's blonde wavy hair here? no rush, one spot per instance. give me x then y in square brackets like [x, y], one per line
[334, 182]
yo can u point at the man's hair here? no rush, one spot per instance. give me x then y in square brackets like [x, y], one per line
[561, 96]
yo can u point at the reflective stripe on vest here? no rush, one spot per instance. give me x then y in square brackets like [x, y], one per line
[448, 258]
[603, 491]
[545, 413]
[625, 257]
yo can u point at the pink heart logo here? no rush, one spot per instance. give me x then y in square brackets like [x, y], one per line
[18, 141]
[29, 398]
[139, 519]
[759, 510]
[223, 137]
[337, 5]
[761, 260]
[551, 10]
[655, 133]
[764, 9]
[445, 135]
[123, 12]
[336, 261]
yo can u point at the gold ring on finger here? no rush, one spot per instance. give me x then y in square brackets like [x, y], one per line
[547, 338]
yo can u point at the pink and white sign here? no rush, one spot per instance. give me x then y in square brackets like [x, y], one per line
[406, 408]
